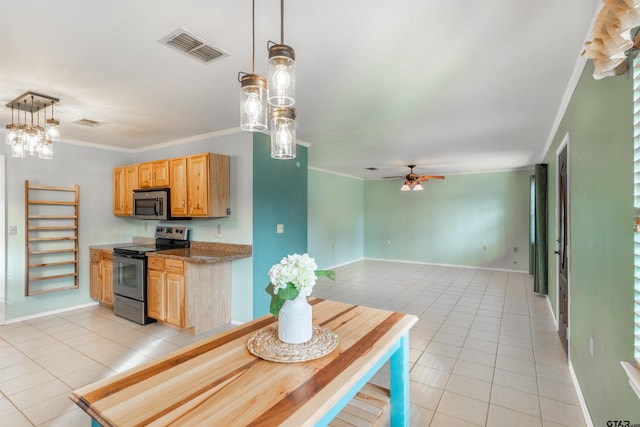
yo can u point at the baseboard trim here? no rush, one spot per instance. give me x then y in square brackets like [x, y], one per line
[583, 403]
[49, 313]
[446, 265]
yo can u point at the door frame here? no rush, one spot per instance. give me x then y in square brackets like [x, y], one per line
[3, 239]
[563, 144]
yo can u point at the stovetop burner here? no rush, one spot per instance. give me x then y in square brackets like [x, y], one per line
[166, 238]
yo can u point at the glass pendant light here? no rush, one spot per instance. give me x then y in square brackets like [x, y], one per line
[282, 70]
[52, 126]
[12, 130]
[46, 149]
[253, 91]
[283, 133]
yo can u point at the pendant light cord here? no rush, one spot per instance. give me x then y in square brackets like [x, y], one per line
[253, 35]
[281, 21]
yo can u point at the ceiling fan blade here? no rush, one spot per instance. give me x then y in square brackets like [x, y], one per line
[392, 177]
[427, 177]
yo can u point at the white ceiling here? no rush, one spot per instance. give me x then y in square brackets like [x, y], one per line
[453, 86]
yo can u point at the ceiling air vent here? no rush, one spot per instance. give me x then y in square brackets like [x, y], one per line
[192, 45]
[87, 122]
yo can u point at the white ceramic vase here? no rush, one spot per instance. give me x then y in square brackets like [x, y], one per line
[294, 321]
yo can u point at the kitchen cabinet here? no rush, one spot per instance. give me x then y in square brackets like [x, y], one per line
[101, 276]
[153, 174]
[208, 185]
[156, 279]
[199, 185]
[125, 180]
[167, 295]
[178, 186]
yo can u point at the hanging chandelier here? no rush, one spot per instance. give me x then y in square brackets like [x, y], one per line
[30, 138]
[253, 90]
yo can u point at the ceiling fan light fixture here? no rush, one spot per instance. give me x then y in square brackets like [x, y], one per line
[418, 187]
[405, 187]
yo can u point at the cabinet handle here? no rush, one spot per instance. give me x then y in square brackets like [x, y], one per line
[183, 202]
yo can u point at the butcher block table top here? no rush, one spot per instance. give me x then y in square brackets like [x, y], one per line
[217, 382]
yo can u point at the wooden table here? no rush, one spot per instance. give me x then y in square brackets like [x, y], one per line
[217, 382]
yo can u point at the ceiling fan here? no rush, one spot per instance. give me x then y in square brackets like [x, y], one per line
[412, 182]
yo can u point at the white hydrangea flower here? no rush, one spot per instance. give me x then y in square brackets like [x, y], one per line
[296, 269]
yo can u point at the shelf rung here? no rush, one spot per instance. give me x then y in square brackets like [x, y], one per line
[51, 202]
[51, 239]
[52, 227]
[51, 264]
[53, 216]
[57, 276]
[45, 187]
[53, 251]
[46, 291]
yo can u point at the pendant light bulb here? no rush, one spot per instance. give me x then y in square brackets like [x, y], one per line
[283, 133]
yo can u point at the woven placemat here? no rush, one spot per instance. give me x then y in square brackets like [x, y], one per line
[266, 345]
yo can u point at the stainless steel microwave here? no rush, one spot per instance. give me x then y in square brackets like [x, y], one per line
[153, 203]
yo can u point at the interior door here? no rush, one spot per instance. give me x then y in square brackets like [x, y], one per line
[562, 248]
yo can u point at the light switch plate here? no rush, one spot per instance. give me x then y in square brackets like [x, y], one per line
[280, 228]
[13, 230]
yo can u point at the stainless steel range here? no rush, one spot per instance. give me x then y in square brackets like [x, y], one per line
[130, 272]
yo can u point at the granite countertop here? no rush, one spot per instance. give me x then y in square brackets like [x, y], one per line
[198, 253]
[206, 252]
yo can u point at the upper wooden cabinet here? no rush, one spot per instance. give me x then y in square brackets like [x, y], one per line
[199, 184]
[208, 185]
[178, 186]
[125, 180]
[153, 174]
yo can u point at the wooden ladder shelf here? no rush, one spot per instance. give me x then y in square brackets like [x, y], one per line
[51, 238]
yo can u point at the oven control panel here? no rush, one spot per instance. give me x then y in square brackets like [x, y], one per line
[172, 232]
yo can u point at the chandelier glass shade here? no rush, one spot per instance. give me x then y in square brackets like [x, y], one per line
[282, 75]
[254, 110]
[29, 138]
[283, 133]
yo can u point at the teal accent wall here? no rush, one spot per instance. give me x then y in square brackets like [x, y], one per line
[279, 197]
[479, 220]
[336, 218]
[599, 120]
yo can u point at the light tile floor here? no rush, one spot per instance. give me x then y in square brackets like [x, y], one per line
[484, 352]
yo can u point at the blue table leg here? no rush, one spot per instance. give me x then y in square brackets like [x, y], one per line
[399, 384]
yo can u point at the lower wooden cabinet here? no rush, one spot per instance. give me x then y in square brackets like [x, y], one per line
[167, 292]
[101, 276]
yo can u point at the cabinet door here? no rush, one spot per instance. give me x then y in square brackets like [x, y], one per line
[118, 191]
[178, 186]
[145, 175]
[155, 294]
[130, 184]
[198, 185]
[94, 277]
[107, 279]
[161, 173]
[175, 299]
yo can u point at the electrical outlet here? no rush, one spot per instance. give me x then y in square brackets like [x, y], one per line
[13, 230]
[485, 247]
[591, 346]
[280, 228]
[219, 231]
[515, 249]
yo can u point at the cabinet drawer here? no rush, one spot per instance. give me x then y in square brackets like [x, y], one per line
[96, 255]
[156, 263]
[174, 266]
[107, 255]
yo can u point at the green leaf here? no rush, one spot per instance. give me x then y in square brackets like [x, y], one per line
[290, 292]
[326, 273]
